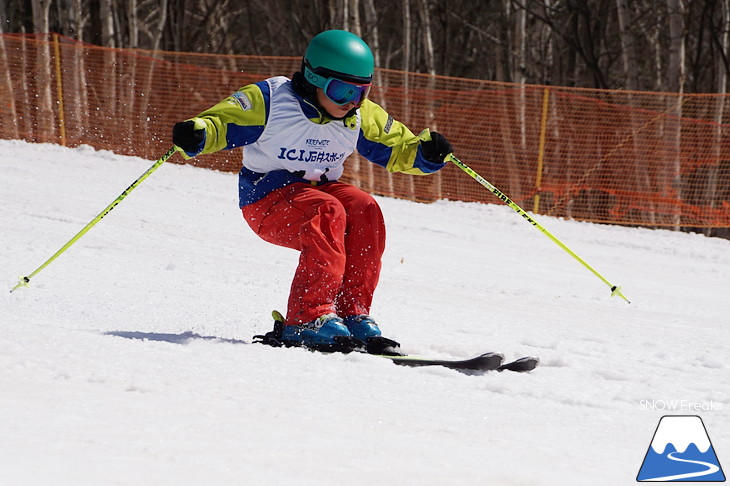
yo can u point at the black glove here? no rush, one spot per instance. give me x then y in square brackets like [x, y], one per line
[185, 136]
[436, 149]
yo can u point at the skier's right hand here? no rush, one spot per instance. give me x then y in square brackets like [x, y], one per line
[188, 135]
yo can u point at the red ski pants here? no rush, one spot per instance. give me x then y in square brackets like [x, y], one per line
[340, 234]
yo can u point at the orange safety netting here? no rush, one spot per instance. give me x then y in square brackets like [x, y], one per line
[639, 158]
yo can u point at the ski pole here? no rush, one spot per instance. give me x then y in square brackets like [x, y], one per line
[24, 281]
[615, 290]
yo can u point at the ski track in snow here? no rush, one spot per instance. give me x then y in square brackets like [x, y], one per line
[128, 359]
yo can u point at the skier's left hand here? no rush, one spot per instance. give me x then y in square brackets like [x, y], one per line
[436, 149]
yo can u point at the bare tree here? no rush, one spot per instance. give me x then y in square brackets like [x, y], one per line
[589, 43]
[675, 84]
[424, 17]
[106, 17]
[723, 41]
[6, 83]
[44, 101]
[153, 21]
[628, 50]
[677, 65]
[41, 20]
[352, 22]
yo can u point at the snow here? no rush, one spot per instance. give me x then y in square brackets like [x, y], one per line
[128, 359]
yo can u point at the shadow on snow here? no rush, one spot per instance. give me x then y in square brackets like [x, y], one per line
[182, 338]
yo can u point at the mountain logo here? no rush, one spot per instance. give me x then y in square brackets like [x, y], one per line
[681, 451]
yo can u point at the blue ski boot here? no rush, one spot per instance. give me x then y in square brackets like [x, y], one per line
[362, 327]
[327, 330]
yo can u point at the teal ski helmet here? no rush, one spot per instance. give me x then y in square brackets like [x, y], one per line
[338, 54]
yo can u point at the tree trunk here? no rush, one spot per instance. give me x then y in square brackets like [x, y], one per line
[6, 82]
[628, 52]
[132, 23]
[628, 59]
[675, 84]
[353, 17]
[407, 43]
[676, 67]
[406, 50]
[41, 23]
[723, 63]
[373, 39]
[519, 70]
[722, 78]
[430, 60]
[45, 121]
[108, 39]
[427, 39]
[159, 29]
[106, 18]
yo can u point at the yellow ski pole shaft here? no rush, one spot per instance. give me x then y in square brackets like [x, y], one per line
[615, 290]
[25, 280]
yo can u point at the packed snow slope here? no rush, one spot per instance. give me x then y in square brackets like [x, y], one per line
[128, 360]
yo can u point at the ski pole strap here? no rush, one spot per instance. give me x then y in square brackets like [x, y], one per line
[615, 290]
[24, 281]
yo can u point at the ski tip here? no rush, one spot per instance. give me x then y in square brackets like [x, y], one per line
[522, 365]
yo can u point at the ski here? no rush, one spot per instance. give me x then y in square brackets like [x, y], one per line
[387, 349]
[483, 362]
[522, 365]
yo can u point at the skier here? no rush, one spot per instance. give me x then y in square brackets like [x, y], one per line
[297, 134]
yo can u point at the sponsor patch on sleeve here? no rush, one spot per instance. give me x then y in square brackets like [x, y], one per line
[243, 100]
[388, 124]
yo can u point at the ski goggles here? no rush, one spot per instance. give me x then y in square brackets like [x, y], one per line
[342, 92]
[338, 91]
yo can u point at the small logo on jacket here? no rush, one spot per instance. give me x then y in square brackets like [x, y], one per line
[243, 100]
[317, 143]
[681, 451]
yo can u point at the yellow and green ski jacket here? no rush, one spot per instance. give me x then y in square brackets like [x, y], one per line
[287, 139]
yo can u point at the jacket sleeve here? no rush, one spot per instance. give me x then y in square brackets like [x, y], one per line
[237, 120]
[390, 144]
